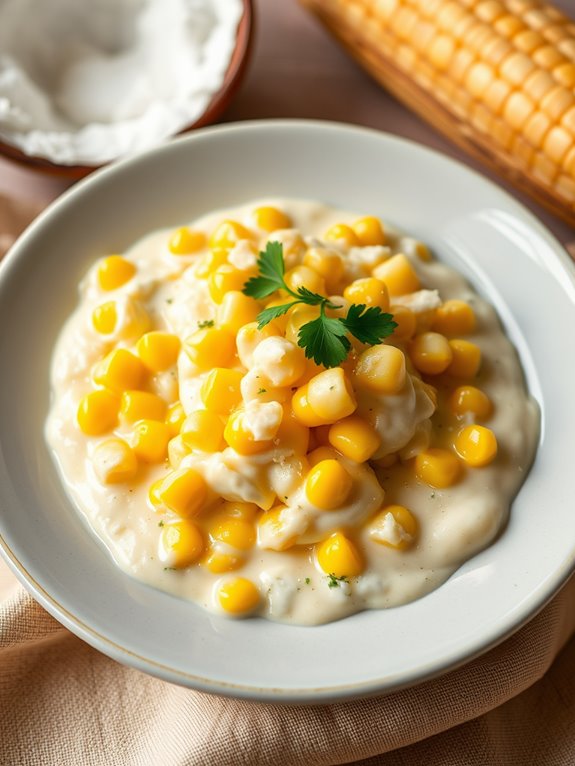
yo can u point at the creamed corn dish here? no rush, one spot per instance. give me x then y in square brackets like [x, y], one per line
[218, 462]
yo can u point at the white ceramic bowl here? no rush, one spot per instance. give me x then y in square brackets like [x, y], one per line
[472, 225]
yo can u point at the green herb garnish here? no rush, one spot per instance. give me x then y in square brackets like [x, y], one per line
[323, 339]
[262, 391]
[333, 581]
[205, 323]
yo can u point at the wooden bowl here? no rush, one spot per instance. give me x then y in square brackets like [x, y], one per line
[216, 106]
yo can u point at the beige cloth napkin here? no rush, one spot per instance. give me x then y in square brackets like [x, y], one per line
[62, 702]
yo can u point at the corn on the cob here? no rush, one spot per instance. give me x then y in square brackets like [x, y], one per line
[496, 76]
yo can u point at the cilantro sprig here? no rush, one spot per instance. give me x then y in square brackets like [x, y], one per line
[325, 339]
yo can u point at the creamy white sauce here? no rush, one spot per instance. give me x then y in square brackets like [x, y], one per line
[454, 523]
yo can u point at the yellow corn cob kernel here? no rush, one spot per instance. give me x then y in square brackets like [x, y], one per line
[369, 292]
[220, 391]
[270, 218]
[211, 261]
[238, 596]
[203, 430]
[114, 271]
[270, 528]
[437, 467]
[454, 317]
[430, 353]
[297, 317]
[327, 263]
[342, 234]
[302, 409]
[476, 445]
[120, 370]
[114, 462]
[381, 369]
[369, 231]
[406, 322]
[466, 359]
[218, 562]
[184, 492]
[181, 544]
[140, 405]
[150, 440]
[177, 451]
[330, 395]
[339, 556]
[292, 435]
[98, 412]
[158, 350]
[249, 336]
[175, 417]
[104, 318]
[185, 241]
[320, 453]
[470, 399]
[240, 439]
[395, 527]
[423, 252]
[355, 438]
[226, 278]
[237, 532]
[211, 347]
[398, 274]
[328, 485]
[304, 276]
[236, 310]
[227, 234]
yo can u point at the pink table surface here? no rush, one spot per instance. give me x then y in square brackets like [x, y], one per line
[297, 70]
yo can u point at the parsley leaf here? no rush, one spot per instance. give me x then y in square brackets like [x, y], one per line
[205, 323]
[272, 268]
[324, 341]
[334, 581]
[273, 312]
[369, 325]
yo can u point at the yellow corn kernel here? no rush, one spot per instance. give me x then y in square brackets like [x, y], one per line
[120, 370]
[292, 435]
[339, 556]
[183, 492]
[98, 412]
[406, 322]
[237, 509]
[282, 362]
[153, 495]
[423, 252]
[437, 467]
[158, 350]
[342, 234]
[104, 318]
[270, 218]
[203, 430]
[175, 417]
[398, 274]
[238, 596]
[227, 234]
[331, 396]
[211, 261]
[470, 399]
[327, 263]
[454, 317]
[302, 409]
[270, 530]
[369, 291]
[241, 439]
[218, 562]
[185, 241]
[355, 438]
[312, 369]
[381, 369]
[177, 451]
[249, 337]
[150, 440]
[211, 347]
[430, 353]
[297, 317]
[140, 405]
[237, 532]
[466, 359]
[369, 231]
[304, 276]
[321, 453]
[476, 445]
[394, 526]
[226, 278]
[220, 391]
[237, 310]
[181, 544]
[114, 271]
[328, 485]
[114, 462]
